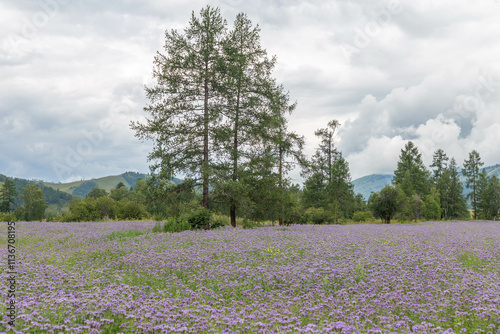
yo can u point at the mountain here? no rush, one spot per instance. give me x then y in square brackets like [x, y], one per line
[366, 184]
[371, 183]
[82, 188]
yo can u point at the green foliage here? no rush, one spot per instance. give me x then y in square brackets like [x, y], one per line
[175, 226]
[450, 188]
[200, 219]
[117, 235]
[432, 208]
[411, 174]
[8, 195]
[471, 171]
[83, 189]
[488, 196]
[8, 217]
[319, 216]
[328, 184]
[363, 216]
[119, 193]
[249, 224]
[294, 215]
[96, 193]
[131, 210]
[34, 204]
[386, 203]
[217, 221]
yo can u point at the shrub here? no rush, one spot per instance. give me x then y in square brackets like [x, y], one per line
[200, 219]
[294, 216]
[248, 224]
[219, 221]
[132, 210]
[362, 216]
[7, 217]
[176, 225]
[319, 216]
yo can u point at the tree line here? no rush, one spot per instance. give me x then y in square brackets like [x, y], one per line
[420, 193]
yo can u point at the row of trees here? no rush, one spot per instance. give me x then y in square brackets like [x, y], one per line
[437, 193]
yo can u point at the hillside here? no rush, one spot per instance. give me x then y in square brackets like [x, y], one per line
[82, 188]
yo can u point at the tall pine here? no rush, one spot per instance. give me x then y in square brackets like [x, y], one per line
[471, 172]
[184, 105]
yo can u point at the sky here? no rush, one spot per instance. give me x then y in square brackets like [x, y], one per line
[72, 76]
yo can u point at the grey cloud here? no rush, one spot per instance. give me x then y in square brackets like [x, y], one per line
[89, 62]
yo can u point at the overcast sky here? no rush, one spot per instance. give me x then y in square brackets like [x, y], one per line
[72, 75]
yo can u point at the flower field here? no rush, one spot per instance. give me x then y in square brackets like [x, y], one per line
[122, 278]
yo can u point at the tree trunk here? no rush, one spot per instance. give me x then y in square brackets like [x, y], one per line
[205, 141]
[281, 185]
[232, 210]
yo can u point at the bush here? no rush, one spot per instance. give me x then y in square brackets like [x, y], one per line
[200, 219]
[132, 210]
[176, 225]
[7, 217]
[294, 216]
[319, 216]
[248, 224]
[219, 221]
[362, 216]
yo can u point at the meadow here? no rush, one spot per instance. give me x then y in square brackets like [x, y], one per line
[120, 277]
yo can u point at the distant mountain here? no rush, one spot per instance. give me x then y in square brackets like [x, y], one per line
[82, 188]
[371, 183]
[366, 184]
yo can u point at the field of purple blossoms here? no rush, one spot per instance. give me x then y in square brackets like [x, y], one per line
[122, 278]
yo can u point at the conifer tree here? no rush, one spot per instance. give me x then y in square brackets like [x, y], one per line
[411, 172]
[471, 171]
[185, 103]
[453, 202]
[246, 88]
[8, 195]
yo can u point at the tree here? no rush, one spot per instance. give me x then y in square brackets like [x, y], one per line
[453, 203]
[471, 172]
[411, 173]
[386, 203]
[488, 195]
[247, 88]
[328, 184]
[97, 192]
[8, 194]
[439, 162]
[34, 204]
[118, 193]
[287, 146]
[184, 109]
[432, 208]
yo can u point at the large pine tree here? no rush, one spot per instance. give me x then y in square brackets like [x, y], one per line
[471, 171]
[8, 195]
[411, 174]
[184, 109]
[453, 202]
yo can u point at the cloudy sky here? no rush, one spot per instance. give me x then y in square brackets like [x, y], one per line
[73, 72]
